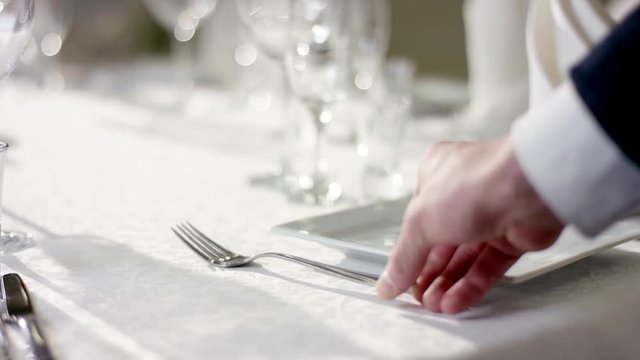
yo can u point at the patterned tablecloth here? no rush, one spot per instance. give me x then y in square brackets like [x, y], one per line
[99, 182]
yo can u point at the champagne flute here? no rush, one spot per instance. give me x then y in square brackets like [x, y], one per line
[181, 18]
[316, 57]
[16, 24]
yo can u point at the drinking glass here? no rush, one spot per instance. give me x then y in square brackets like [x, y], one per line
[268, 24]
[181, 18]
[369, 23]
[16, 22]
[380, 139]
[316, 58]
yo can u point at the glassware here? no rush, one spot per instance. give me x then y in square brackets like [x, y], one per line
[316, 58]
[380, 139]
[16, 24]
[181, 18]
[369, 23]
[268, 24]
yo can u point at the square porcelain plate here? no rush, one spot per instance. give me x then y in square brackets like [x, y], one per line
[369, 233]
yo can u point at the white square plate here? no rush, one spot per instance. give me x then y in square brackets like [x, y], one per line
[369, 232]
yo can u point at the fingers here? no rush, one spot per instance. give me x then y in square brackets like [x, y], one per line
[437, 260]
[487, 269]
[455, 277]
[463, 258]
[408, 257]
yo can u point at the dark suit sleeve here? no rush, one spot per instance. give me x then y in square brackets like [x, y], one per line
[608, 81]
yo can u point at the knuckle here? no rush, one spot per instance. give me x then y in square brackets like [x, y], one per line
[435, 264]
[471, 252]
[525, 239]
[434, 149]
[415, 215]
[478, 284]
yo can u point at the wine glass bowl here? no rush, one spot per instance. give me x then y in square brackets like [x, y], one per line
[268, 23]
[313, 73]
[181, 18]
[16, 24]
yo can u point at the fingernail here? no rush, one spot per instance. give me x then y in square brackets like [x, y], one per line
[385, 287]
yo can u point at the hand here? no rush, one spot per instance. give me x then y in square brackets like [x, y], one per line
[472, 216]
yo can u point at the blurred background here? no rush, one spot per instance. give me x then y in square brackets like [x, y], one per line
[429, 31]
[469, 56]
[417, 71]
[124, 48]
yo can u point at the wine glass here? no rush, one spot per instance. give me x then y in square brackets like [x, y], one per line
[181, 18]
[268, 23]
[16, 23]
[316, 57]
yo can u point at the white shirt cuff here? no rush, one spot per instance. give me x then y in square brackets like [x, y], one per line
[573, 165]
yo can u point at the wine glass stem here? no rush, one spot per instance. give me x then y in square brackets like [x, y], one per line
[181, 54]
[287, 127]
[317, 110]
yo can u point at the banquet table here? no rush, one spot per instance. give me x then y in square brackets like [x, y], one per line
[100, 180]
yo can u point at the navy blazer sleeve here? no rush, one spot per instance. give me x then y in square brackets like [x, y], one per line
[608, 81]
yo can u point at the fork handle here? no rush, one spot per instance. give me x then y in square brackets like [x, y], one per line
[333, 270]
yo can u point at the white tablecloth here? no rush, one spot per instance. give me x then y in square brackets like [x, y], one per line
[99, 182]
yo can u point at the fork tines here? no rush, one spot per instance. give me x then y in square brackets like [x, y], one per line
[201, 244]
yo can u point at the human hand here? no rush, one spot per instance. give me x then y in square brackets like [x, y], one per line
[472, 216]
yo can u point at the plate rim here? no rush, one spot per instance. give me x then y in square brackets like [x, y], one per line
[288, 229]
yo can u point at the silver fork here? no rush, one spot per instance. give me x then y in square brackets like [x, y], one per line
[217, 255]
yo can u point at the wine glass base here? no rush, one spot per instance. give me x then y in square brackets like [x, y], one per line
[273, 180]
[305, 190]
[14, 241]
